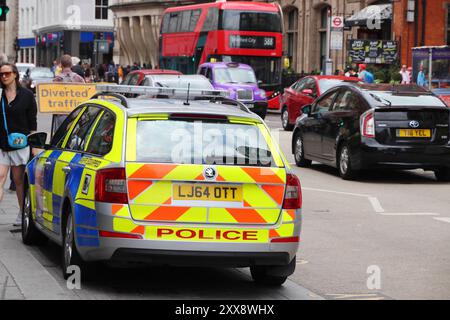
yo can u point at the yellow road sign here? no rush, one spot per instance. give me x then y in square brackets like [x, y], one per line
[62, 98]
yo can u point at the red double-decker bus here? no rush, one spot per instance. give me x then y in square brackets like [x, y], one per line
[236, 31]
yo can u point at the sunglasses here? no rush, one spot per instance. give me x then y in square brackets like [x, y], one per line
[5, 74]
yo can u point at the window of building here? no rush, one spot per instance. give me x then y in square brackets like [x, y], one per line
[292, 35]
[101, 9]
[324, 20]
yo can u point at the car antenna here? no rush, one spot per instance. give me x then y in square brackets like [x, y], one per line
[187, 100]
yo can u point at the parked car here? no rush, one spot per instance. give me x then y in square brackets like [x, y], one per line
[136, 77]
[23, 67]
[240, 80]
[304, 92]
[35, 76]
[361, 126]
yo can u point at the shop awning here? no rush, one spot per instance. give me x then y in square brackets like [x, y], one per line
[369, 14]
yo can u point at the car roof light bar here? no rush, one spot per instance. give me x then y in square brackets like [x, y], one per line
[180, 93]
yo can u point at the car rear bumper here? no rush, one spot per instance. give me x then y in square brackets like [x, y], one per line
[201, 258]
[371, 154]
[240, 245]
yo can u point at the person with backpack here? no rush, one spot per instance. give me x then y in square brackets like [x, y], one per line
[365, 75]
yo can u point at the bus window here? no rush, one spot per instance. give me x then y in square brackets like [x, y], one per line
[212, 20]
[250, 21]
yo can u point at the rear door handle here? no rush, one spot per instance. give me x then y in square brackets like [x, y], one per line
[66, 169]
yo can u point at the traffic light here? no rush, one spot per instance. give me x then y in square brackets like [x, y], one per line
[4, 9]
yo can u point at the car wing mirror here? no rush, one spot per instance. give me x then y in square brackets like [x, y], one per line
[308, 92]
[37, 140]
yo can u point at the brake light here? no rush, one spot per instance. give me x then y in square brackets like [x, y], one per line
[110, 186]
[368, 124]
[293, 197]
[285, 240]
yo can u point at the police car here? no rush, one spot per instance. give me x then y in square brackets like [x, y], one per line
[164, 181]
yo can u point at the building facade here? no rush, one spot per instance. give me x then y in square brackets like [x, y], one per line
[26, 39]
[306, 23]
[81, 28]
[8, 31]
[420, 23]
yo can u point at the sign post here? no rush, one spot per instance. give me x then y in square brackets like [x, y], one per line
[337, 32]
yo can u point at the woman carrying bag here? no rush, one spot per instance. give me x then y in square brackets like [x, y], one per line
[18, 118]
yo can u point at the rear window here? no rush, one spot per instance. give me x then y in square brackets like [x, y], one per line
[201, 142]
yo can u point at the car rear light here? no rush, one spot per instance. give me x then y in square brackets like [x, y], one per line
[293, 197]
[109, 234]
[110, 186]
[286, 239]
[368, 124]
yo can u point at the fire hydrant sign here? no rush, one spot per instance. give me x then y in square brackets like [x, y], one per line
[62, 98]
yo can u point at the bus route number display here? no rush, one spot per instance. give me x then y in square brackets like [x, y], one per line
[252, 42]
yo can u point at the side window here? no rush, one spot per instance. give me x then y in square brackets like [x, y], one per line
[133, 80]
[347, 100]
[311, 84]
[299, 86]
[208, 73]
[203, 71]
[165, 23]
[212, 20]
[324, 103]
[173, 22]
[80, 132]
[102, 137]
[59, 136]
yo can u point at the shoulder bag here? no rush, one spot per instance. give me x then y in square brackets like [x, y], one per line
[15, 140]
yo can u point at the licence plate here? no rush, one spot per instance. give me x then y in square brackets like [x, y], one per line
[207, 192]
[414, 133]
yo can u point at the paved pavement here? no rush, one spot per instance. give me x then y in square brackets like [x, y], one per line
[20, 272]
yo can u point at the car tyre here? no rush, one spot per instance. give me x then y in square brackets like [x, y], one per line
[30, 233]
[344, 163]
[442, 174]
[70, 255]
[260, 275]
[299, 153]
[285, 120]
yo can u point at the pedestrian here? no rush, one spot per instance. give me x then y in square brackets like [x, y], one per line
[365, 75]
[421, 80]
[406, 79]
[18, 115]
[54, 67]
[409, 70]
[120, 74]
[100, 72]
[66, 75]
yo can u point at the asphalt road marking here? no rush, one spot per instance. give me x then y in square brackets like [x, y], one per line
[443, 219]
[410, 214]
[376, 205]
[349, 296]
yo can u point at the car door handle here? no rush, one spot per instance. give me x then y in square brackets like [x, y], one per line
[66, 169]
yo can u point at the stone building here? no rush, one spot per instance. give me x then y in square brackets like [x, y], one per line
[306, 22]
[26, 39]
[8, 31]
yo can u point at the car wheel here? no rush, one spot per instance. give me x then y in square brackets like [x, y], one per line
[442, 174]
[70, 256]
[260, 275]
[299, 154]
[30, 234]
[285, 120]
[344, 163]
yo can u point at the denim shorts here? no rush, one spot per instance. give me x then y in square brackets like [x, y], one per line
[15, 158]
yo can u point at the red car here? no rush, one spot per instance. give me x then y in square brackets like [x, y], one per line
[136, 77]
[304, 92]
